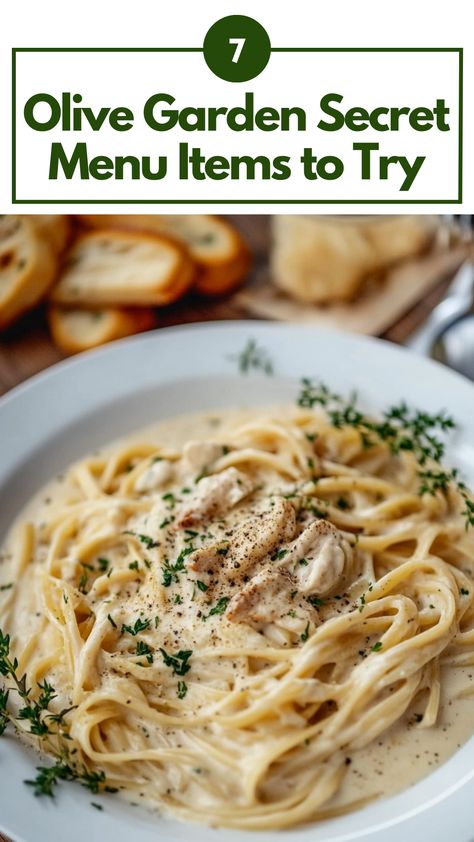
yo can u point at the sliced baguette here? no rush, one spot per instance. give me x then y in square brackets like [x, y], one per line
[220, 253]
[28, 267]
[74, 330]
[123, 269]
[55, 228]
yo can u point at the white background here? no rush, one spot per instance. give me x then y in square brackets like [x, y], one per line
[416, 79]
[290, 79]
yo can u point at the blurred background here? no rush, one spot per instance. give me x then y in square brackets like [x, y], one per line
[68, 284]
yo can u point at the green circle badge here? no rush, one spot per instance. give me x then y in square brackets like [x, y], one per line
[237, 48]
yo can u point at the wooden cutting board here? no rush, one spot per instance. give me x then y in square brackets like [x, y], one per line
[384, 302]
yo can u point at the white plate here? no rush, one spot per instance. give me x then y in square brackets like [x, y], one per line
[67, 411]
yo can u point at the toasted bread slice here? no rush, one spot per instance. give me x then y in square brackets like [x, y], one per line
[79, 330]
[28, 267]
[123, 269]
[55, 228]
[220, 253]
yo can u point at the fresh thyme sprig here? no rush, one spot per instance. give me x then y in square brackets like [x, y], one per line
[33, 711]
[4, 715]
[436, 480]
[8, 668]
[253, 356]
[468, 512]
[49, 777]
[36, 712]
[50, 727]
[401, 429]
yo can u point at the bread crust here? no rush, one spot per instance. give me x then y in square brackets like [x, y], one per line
[217, 272]
[55, 228]
[35, 275]
[87, 293]
[117, 324]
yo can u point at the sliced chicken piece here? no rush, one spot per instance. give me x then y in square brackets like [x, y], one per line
[208, 560]
[213, 496]
[264, 599]
[155, 476]
[198, 455]
[267, 598]
[319, 559]
[249, 543]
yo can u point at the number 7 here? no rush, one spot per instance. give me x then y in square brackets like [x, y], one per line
[239, 44]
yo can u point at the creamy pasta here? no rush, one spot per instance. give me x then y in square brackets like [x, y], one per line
[233, 609]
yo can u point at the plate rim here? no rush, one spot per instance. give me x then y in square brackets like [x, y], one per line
[256, 327]
[218, 324]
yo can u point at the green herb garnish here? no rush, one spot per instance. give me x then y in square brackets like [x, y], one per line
[32, 711]
[179, 663]
[103, 564]
[253, 357]
[147, 540]
[83, 582]
[316, 601]
[140, 625]
[170, 498]
[182, 689]
[144, 649]
[49, 776]
[219, 607]
[401, 429]
[305, 635]
[49, 727]
[171, 571]
[222, 550]
[4, 716]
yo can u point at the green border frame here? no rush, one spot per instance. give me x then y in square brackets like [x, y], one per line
[456, 201]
